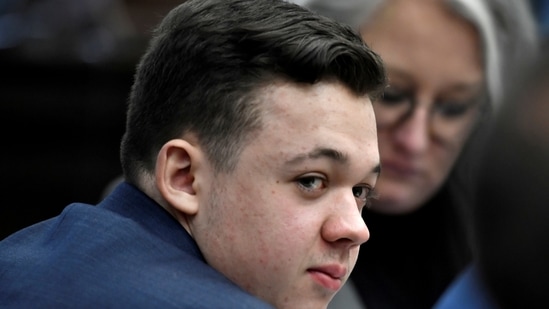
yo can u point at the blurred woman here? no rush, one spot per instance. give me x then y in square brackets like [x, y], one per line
[510, 268]
[447, 62]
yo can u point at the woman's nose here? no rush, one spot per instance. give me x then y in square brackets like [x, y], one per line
[412, 134]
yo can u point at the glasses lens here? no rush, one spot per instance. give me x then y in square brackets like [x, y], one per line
[448, 119]
[392, 107]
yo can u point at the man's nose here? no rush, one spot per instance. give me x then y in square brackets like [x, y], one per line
[345, 225]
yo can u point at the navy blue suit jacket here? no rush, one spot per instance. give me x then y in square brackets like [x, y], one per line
[126, 252]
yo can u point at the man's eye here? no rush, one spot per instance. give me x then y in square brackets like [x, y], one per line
[311, 183]
[361, 192]
[364, 195]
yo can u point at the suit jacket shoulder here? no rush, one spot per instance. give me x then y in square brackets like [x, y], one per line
[125, 252]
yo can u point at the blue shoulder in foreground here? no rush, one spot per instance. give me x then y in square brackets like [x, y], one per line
[126, 252]
[467, 291]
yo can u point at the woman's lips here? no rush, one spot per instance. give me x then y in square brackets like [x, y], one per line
[329, 276]
[399, 169]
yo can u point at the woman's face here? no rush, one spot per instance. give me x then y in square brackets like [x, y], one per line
[436, 85]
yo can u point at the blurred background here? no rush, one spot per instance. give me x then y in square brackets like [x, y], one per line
[66, 68]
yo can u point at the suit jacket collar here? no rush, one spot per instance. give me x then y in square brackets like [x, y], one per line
[128, 201]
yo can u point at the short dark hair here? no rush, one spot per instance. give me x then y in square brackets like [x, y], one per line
[208, 58]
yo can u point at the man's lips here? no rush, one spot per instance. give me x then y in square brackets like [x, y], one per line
[329, 276]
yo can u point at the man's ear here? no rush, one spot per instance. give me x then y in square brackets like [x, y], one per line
[175, 177]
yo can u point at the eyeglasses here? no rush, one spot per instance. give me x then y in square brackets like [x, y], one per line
[447, 118]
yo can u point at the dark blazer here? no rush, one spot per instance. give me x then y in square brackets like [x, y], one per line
[126, 252]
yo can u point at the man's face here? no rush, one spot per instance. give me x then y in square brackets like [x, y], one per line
[286, 224]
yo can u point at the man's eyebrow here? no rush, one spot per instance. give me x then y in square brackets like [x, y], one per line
[317, 153]
[377, 170]
[330, 153]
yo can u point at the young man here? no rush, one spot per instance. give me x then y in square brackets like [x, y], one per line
[249, 153]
